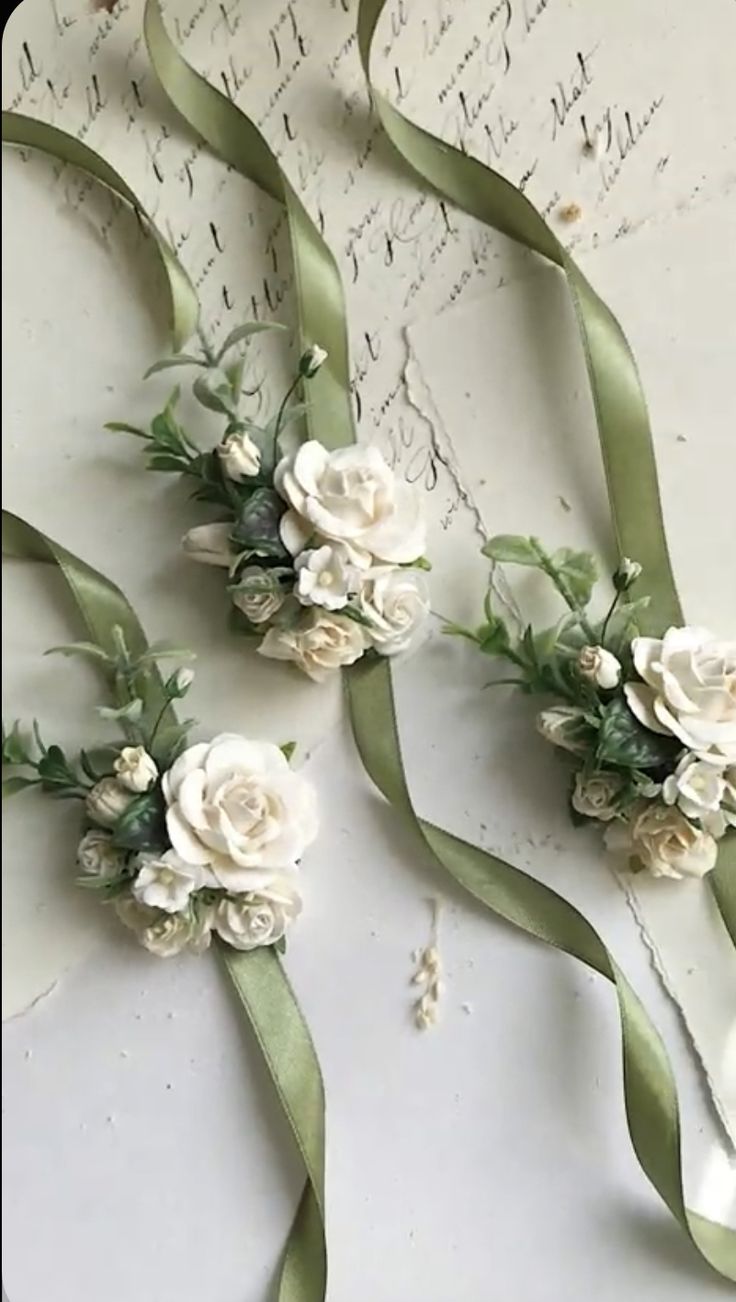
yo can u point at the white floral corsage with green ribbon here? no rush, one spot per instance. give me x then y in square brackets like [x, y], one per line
[182, 840]
[323, 550]
[648, 724]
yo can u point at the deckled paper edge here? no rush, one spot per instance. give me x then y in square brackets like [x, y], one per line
[723, 1112]
[419, 395]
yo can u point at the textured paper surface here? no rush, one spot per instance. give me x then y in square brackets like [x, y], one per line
[522, 432]
[85, 314]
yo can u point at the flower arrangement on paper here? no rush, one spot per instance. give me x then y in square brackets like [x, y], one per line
[648, 724]
[183, 840]
[323, 550]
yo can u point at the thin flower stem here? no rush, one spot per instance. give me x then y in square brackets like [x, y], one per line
[280, 415]
[157, 725]
[546, 565]
[607, 620]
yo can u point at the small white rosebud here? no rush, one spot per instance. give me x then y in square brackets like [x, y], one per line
[98, 857]
[209, 544]
[107, 800]
[135, 768]
[563, 726]
[626, 574]
[311, 360]
[239, 456]
[600, 667]
[179, 683]
[184, 679]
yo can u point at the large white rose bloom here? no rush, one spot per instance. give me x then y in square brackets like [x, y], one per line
[394, 602]
[689, 690]
[350, 496]
[237, 810]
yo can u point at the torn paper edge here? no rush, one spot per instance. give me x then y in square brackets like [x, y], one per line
[728, 1121]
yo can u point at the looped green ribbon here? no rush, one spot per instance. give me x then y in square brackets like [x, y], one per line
[261, 985]
[32, 134]
[618, 398]
[649, 1086]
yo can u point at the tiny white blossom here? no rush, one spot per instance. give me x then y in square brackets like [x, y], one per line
[324, 577]
[166, 881]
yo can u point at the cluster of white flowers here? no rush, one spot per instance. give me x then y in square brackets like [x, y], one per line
[238, 821]
[353, 531]
[686, 691]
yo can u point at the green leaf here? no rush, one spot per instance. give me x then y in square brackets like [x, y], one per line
[181, 359]
[11, 786]
[215, 397]
[357, 616]
[625, 742]
[421, 563]
[288, 749]
[98, 762]
[163, 650]
[90, 650]
[578, 569]
[458, 630]
[257, 526]
[55, 772]
[130, 712]
[15, 750]
[280, 945]
[511, 549]
[160, 461]
[245, 332]
[142, 826]
[120, 427]
[493, 637]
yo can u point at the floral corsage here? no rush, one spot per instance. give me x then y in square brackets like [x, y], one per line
[648, 724]
[323, 550]
[183, 840]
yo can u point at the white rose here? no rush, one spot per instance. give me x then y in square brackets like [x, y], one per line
[257, 594]
[662, 840]
[165, 934]
[324, 577]
[563, 726]
[209, 544]
[319, 644]
[703, 791]
[98, 857]
[166, 881]
[595, 795]
[600, 667]
[395, 602]
[239, 456]
[689, 690]
[350, 496]
[251, 920]
[107, 800]
[237, 809]
[135, 768]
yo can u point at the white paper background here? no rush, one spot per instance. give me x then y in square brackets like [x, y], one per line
[492, 1156]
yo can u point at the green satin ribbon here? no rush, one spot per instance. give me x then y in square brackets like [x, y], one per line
[618, 398]
[260, 982]
[32, 134]
[649, 1086]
